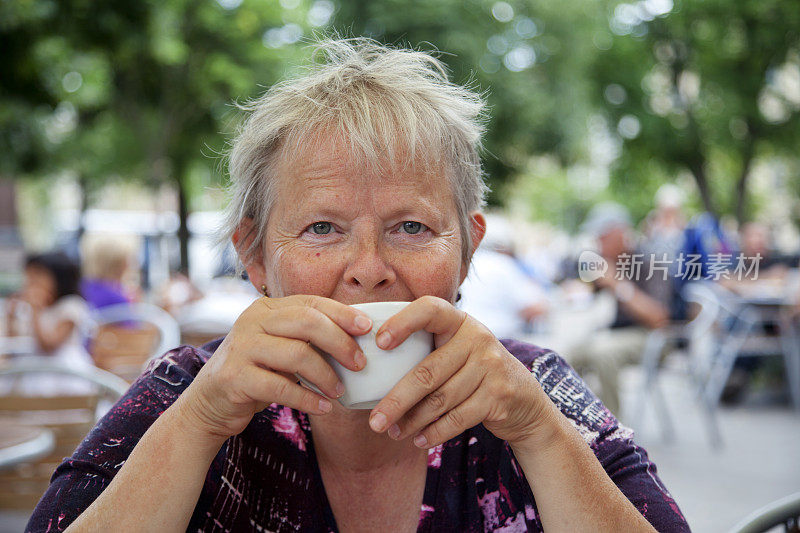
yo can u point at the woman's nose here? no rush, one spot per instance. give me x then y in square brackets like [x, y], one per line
[368, 268]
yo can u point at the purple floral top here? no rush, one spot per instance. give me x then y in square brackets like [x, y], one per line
[267, 477]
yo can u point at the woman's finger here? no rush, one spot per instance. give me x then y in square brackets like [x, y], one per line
[430, 374]
[468, 414]
[270, 387]
[428, 313]
[311, 325]
[350, 319]
[293, 356]
[457, 389]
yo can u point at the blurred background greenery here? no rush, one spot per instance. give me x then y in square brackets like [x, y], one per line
[591, 100]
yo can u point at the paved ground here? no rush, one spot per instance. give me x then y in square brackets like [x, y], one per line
[715, 488]
[758, 463]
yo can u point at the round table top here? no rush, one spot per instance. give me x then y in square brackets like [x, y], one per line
[17, 345]
[20, 443]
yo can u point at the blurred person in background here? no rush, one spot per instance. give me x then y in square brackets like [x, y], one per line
[770, 279]
[704, 236]
[178, 292]
[704, 239]
[108, 269]
[755, 241]
[497, 291]
[50, 309]
[642, 304]
[664, 225]
[663, 236]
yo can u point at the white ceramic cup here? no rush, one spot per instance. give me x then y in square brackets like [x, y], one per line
[365, 388]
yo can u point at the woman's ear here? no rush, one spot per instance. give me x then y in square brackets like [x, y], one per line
[477, 223]
[253, 261]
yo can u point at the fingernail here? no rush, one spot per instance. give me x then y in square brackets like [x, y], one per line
[383, 339]
[360, 359]
[325, 406]
[339, 389]
[363, 323]
[378, 421]
[394, 431]
[420, 441]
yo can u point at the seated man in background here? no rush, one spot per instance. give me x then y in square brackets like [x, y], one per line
[642, 303]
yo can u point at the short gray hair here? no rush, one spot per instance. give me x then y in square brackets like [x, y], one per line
[382, 101]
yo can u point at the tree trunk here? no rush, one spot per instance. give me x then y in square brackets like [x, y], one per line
[83, 184]
[694, 156]
[741, 184]
[183, 213]
[699, 172]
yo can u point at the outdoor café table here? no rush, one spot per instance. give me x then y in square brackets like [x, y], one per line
[775, 302]
[568, 325]
[17, 345]
[20, 443]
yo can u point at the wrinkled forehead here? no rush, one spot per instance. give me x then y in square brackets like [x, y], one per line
[326, 155]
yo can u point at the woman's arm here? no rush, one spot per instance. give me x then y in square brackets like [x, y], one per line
[10, 315]
[50, 340]
[162, 474]
[158, 486]
[573, 491]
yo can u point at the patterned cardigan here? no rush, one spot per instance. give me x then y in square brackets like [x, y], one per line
[267, 478]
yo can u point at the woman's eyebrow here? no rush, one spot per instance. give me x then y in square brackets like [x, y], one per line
[401, 211]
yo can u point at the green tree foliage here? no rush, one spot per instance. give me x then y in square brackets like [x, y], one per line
[528, 56]
[141, 90]
[706, 87]
[641, 90]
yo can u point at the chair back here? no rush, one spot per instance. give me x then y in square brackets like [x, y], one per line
[783, 512]
[716, 335]
[68, 417]
[701, 331]
[128, 335]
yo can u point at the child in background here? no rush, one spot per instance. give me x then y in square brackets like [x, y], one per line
[55, 315]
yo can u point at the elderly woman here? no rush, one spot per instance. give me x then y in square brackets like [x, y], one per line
[358, 182]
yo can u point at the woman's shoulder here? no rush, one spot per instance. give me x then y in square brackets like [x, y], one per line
[182, 362]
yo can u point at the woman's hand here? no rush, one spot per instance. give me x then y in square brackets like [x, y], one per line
[256, 363]
[38, 297]
[470, 378]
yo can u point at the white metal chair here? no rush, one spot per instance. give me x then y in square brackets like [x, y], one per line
[108, 385]
[64, 418]
[169, 333]
[734, 326]
[127, 336]
[713, 339]
[783, 512]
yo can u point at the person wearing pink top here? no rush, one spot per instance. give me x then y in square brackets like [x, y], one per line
[358, 181]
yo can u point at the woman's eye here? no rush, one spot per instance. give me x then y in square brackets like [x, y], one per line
[412, 228]
[320, 228]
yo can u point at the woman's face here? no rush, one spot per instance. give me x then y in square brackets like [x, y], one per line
[342, 232]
